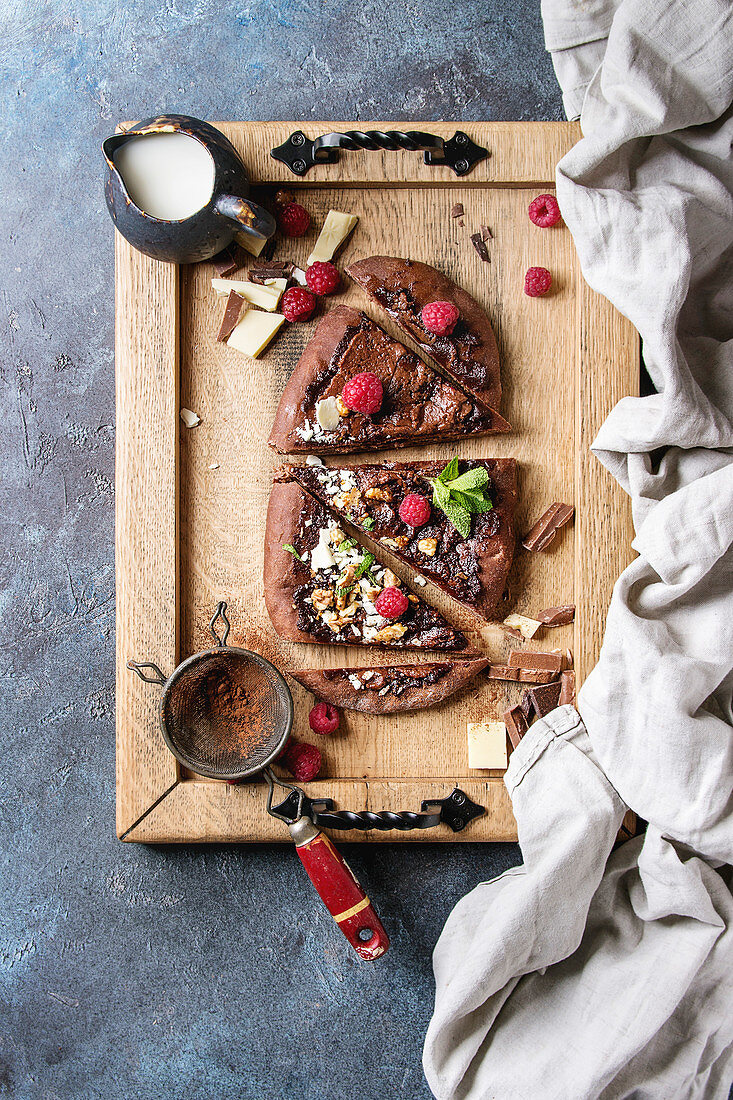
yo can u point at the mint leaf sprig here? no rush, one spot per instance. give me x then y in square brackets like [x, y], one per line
[461, 496]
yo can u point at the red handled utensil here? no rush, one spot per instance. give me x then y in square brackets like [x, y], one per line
[227, 713]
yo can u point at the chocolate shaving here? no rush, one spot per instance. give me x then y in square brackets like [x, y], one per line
[567, 688]
[457, 210]
[478, 243]
[545, 698]
[486, 234]
[531, 659]
[516, 724]
[232, 311]
[557, 616]
[547, 526]
[228, 260]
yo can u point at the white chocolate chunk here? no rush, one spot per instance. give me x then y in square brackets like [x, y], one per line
[327, 413]
[487, 745]
[321, 556]
[254, 332]
[266, 297]
[190, 419]
[336, 229]
[277, 284]
[253, 245]
[527, 627]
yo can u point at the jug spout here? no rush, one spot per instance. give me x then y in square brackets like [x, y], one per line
[248, 217]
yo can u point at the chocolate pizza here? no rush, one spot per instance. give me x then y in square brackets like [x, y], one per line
[356, 388]
[468, 353]
[322, 586]
[389, 689]
[453, 523]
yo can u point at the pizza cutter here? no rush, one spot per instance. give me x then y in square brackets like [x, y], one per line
[226, 713]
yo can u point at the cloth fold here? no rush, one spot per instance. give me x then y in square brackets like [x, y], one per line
[586, 974]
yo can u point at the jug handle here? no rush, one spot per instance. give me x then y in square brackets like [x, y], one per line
[249, 217]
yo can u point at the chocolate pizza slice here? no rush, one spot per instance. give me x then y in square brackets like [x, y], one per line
[454, 523]
[402, 400]
[468, 352]
[389, 689]
[321, 586]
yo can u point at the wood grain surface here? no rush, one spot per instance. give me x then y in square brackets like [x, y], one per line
[191, 503]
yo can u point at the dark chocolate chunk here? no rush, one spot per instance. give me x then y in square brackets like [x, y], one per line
[557, 616]
[232, 312]
[486, 234]
[457, 210]
[547, 526]
[516, 724]
[545, 698]
[567, 688]
[228, 260]
[531, 659]
[478, 243]
[527, 707]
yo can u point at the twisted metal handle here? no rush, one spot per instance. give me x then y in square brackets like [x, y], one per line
[301, 153]
[383, 820]
[456, 811]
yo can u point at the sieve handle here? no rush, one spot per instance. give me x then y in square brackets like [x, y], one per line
[339, 890]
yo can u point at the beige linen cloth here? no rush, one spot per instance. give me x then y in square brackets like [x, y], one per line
[578, 976]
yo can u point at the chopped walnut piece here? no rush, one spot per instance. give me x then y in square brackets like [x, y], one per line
[322, 598]
[402, 541]
[389, 543]
[391, 633]
[378, 494]
[428, 547]
[336, 536]
[391, 580]
[342, 407]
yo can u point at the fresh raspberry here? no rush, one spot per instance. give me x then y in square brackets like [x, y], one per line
[302, 760]
[391, 603]
[322, 278]
[324, 718]
[415, 510]
[544, 211]
[363, 393]
[298, 304]
[440, 318]
[537, 282]
[293, 220]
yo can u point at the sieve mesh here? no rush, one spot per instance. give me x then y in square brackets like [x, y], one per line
[227, 713]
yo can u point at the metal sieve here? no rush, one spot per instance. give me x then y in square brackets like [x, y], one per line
[226, 713]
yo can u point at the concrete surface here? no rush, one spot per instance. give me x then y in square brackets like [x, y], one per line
[131, 972]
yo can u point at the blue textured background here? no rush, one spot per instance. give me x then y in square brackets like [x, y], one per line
[130, 972]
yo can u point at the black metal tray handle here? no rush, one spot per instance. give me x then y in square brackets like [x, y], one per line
[301, 153]
[456, 811]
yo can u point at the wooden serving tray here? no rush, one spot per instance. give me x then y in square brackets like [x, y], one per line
[191, 503]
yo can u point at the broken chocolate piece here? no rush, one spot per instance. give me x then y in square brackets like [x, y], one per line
[544, 698]
[557, 616]
[547, 526]
[276, 269]
[232, 313]
[457, 210]
[486, 234]
[567, 688]
[516, 724]
[526, 707]
[513, 632]
[229, 260]
[532, 659]
[522, 675]
[478, 243]
[520, 626]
